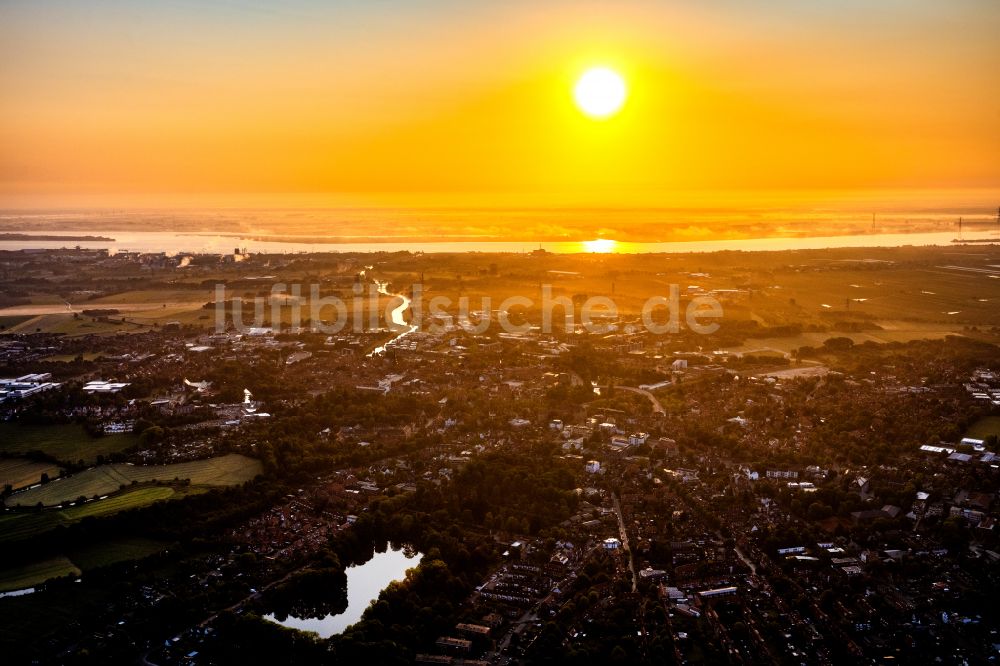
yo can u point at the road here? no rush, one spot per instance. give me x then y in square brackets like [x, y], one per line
[657, 406]
[746, 560]
[624, 539]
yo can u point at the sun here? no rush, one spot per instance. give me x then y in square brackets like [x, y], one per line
[600, 92]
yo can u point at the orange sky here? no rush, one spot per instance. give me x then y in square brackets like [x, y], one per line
[445, 101]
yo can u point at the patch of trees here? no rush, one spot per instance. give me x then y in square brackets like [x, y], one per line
[314, 592]
[516, 495]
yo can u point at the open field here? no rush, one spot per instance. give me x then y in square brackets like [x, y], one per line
[149, 297]
[885, 283]
[10, 321]
[17, 578]
[23, 525]
[17, 526]
[892, 332]
[185, 315]
[152, 300]
[20, 473]
[50, 319]
[65, 324]
[66, 442]
[984, 427]
[804, 371]
[129, 499]
[227, 470]
[77, 561]
[69, 358]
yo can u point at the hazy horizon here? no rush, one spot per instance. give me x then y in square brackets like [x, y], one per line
[730, 216]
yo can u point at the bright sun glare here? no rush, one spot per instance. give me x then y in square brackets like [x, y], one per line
[600, 245]
[600, 92]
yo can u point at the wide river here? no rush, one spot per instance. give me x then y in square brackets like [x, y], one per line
[364, 583]
[207, 243]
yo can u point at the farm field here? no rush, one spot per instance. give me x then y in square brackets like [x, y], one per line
[66, 442]
[138, 321]
[23, 525]
[933, 294]
[128, 499]
[21, 473]
[64, 323]
[148, 297]
[892, 331]
[69, 358]
[228, 470]
[77, 561]
[10, 321]
[185, 315]
[984, 427]
[17, 578]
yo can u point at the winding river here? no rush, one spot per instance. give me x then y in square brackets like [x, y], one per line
[397, 322]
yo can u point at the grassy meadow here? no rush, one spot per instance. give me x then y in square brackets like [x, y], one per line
[984, 427]
[17, 578]
[66, 442]
[21, 473]
[231, 469]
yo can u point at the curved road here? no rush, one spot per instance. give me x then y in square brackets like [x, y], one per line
[657, 406]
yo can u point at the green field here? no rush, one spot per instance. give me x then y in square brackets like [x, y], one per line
[17, 578]
[892, 331]
[67, 442]
[69, 358]
[129, 499]
[17, 526]
[24, 524]
[78, 560]
[138, 321]
[228, 470]
[20, 472]
[151, 297]
[984, 427]
[64, 323]
[10, 321]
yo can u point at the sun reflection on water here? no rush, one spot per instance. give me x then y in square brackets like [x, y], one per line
[600, 245]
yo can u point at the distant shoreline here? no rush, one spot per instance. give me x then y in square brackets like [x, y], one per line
[376, 240]
[224, 243]
[53, 237]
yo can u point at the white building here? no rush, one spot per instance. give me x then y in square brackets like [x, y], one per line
[27, 385]
[593, 466]
[638, 438]
[101, 386]
[782, 474]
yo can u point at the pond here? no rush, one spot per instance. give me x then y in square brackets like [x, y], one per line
[364, 583]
